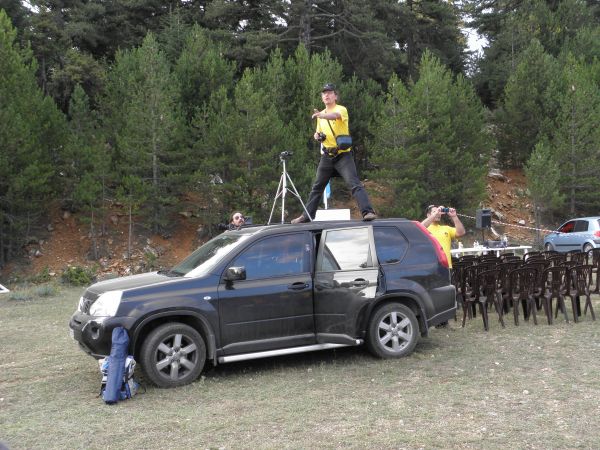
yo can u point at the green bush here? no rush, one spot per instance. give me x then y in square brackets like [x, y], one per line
[20, 296]
[42, 277]
[46, 290]
[150, 260]
[78, 276]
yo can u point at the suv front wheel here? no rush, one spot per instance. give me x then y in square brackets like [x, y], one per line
[393, 331]
[173, 355]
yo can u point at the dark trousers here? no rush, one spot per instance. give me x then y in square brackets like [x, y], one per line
[344, 165]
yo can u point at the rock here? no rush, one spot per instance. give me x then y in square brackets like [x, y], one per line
[496, 175]
[521, 222]
[499, 216]
[151, 250]
[37, 254]
[50, 227]
[215, 179]
[66, 215]
[186, 214]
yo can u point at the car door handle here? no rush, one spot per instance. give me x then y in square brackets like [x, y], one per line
[360, 282]
[298, 286]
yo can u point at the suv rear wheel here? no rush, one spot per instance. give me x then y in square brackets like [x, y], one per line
[393, 331]
[173, 355]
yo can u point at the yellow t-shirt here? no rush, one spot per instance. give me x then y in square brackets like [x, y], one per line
[340, 127]
[444, 234]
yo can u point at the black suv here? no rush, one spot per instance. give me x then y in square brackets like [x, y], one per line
[274, 290]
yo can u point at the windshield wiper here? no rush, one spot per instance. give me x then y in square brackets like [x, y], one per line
[169, 273]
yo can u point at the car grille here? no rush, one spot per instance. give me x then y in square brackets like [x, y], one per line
[86, 302]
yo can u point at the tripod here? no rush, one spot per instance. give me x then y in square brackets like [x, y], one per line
[283, 189]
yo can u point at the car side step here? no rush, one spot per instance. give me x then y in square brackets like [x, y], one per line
[283, 351]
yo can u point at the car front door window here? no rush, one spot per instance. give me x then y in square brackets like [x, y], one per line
[275, 256]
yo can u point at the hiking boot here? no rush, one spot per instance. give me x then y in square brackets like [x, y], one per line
[369, 216]
[300, 219]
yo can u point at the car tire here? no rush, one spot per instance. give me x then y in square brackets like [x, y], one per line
[587, 247]
[172, 355]
[393, 331]
[548, 247]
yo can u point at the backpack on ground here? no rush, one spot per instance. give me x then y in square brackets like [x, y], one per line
[117, 370]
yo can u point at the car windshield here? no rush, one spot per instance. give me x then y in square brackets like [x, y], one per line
[204, 258]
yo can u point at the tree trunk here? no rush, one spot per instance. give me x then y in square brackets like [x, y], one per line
[155, 180]
[94, 242]
[2, 257]
[305, 24]
[573, 164]
[130, 233]
[410, 42]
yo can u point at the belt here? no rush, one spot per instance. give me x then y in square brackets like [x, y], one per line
[333, 152]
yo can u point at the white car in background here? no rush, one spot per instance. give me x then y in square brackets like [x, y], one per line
[581, 234]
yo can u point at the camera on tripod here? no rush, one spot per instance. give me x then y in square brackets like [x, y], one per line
[321, 137]
[285, 155]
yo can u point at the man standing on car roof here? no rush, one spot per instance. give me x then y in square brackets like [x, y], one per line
[332, 122]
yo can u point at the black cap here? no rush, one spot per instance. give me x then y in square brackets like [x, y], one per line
[328, 87]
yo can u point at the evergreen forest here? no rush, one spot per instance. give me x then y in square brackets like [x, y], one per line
[146, 102]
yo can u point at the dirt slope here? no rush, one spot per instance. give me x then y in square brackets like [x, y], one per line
[68, 242]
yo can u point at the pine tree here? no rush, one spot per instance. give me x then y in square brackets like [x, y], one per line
[32, 136]
[87, 164]
[509, 27]
[200, 70]
[147, 127]
[430, 142]
[521, 118]
[543, 179]
[577, 140]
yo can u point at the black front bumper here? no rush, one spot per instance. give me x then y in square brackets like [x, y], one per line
[94, 334]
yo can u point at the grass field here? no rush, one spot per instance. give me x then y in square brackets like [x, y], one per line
[529, 386]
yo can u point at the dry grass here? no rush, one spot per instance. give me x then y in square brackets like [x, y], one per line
[520, 387]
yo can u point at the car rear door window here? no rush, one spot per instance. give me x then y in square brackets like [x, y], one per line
[390, 244]
[581, 226]
[275, 256]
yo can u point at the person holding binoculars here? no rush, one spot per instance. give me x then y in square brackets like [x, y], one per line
[443, 233]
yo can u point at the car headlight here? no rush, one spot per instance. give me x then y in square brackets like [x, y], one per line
[107, 304]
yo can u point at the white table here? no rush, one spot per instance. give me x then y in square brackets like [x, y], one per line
[485, 250]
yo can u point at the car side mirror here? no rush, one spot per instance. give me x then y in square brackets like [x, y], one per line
[235, 273]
